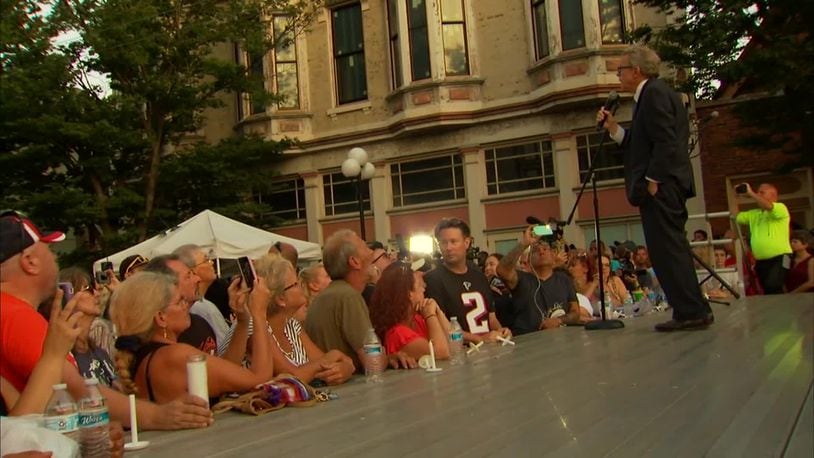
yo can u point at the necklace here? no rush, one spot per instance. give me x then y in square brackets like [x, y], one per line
[288, 354]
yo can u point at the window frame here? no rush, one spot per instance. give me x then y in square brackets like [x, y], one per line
[397, 176]
[622, 21]
[410, 38]
[338, 55]
[278, 62]
[545, 153]
[300, 208]
[394, 43]
[563, 24]
[330, 180]
[462, 22]
[538, 55]
[617, 150]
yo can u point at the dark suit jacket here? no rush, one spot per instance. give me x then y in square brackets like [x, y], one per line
[656, 145]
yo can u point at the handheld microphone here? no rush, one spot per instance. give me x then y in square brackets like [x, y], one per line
[611, 104]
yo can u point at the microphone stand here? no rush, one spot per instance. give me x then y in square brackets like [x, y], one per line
[606, 322]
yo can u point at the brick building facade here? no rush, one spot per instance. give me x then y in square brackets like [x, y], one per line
[480, 109]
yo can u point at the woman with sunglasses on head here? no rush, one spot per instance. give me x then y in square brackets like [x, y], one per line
[150, 312]
[92, 360]
[291, 348]
[403, 318]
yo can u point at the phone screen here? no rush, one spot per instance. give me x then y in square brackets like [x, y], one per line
[246, 271]
[541, 230]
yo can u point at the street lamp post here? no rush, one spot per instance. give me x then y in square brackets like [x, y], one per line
[356, 167]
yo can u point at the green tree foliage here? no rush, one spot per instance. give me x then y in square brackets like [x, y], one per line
[77, 157]
[764, 47]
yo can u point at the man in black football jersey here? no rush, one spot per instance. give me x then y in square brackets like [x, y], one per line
[460, 288]
[543, 298]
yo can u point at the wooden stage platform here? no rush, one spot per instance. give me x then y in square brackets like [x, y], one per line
[741, 388]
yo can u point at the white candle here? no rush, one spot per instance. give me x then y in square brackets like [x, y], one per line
[432, 354]
[196, 377]
[133, 419]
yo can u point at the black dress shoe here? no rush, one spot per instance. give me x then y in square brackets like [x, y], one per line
[685, 325]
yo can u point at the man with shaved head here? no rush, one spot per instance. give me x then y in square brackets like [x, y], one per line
[768, 235]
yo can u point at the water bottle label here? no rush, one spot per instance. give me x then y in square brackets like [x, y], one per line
[91, 419]
[63, 423]
[373, 349]
[457, 337]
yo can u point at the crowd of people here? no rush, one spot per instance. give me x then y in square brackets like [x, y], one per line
[135, 330]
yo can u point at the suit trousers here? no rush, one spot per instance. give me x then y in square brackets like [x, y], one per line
[664, 216]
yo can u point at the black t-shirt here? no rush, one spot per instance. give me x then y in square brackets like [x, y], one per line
[466, 296]
[367, 294]
[96, 363]
[200, 335]
[218, 294]
[535, 299]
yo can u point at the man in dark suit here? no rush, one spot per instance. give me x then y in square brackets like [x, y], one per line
[659, 180]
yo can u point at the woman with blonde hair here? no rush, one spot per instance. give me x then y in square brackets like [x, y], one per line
[291, 348]
[313, 280]
[150, 313]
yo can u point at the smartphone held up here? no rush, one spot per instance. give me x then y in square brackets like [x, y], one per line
[247, 273]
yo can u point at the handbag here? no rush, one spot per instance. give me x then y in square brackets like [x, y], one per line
[283, 390]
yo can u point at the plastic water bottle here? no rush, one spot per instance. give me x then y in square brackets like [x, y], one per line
[608, 306]
[627, 307]
[374, 358]
[456, 342]
[61, 413]
[93, 422]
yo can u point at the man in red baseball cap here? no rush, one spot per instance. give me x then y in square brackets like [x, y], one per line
[28, 276]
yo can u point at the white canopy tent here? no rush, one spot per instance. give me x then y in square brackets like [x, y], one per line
[217, 234]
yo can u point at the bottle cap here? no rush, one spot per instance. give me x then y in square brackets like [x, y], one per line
[60, 386]
[91, 381]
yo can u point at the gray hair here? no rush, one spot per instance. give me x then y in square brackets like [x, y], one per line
[274, 269]
[159, 264]
[338, 249]
[187, 254]
[645, 58]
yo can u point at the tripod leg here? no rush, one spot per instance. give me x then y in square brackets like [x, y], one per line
[712, 272]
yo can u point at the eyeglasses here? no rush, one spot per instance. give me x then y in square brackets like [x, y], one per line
[296, 283]
[622, 67]
[384, 253]
[206, 260]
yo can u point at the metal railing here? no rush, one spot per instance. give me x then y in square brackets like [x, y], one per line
[711, 243]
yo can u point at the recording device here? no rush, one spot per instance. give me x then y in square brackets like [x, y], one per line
[741, 188]
[67, 292]
[404, 253]
[550, 232]
[106, 265]
[246, 271]
[611, 104]
[102, 278]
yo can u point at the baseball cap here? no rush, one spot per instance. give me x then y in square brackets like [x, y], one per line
[18, 233]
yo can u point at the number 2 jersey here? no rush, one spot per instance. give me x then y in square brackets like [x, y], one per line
[466, 296]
